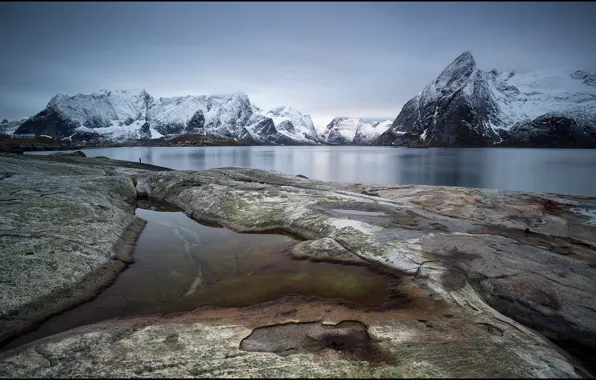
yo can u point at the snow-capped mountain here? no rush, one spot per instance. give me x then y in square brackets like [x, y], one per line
[134, 114]
[10, 126]
[466, 106]
[368, 132]
[345, 130]
[293, 124]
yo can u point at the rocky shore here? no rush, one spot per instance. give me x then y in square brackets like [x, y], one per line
[484, 281]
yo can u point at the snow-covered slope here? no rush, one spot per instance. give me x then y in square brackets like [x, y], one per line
[10, 126]
[368, 132]
[344, 130]
[293, 124]
[134, 114]
[466, 106]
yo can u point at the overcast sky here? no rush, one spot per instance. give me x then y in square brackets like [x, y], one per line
[324, 59]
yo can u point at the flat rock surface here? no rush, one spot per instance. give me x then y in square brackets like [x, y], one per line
[294, 338]
[466, 262]
[67, 231]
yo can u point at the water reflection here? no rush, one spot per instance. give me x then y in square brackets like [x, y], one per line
[570, 171]
[181, 265]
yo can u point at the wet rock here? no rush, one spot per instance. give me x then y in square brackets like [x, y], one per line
[295, 338]
[324, 250]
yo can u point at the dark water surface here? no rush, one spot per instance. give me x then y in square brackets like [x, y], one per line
[569, 171]
[181, 265]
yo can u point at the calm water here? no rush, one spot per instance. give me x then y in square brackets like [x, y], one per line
[181, 265]
[571, 171]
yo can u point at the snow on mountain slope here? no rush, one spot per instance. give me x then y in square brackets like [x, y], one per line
[171, 115]
[10, 126]
[466, 106]
[293, 124]
[134, 114]
[341, 130]
[344, 130]
[101, 108]
[118, 130]
[539, 93]
[367, 133]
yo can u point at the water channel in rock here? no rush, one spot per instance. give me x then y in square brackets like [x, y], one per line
[181, 265]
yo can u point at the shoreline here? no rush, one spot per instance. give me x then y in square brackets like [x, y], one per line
[6, 146]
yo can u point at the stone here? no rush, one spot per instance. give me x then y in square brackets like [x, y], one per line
[67, 231]
[77, 153]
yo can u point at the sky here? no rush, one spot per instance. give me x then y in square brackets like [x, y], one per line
[325, 59]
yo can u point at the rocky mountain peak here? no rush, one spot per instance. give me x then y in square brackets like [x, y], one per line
[466, 106]
[350, 130]
[460, 69]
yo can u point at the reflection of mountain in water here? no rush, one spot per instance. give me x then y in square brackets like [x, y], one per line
[540, 170]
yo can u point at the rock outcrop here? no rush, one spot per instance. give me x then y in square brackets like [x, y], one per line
[67, 231]
[474, 271]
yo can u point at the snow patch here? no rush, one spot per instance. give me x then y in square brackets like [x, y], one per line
[154, 133]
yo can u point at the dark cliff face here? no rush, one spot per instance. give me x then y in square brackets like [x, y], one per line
[48, 122]
[550, 131]
[145, 132]
[169, 128]
[266, 128]
[196, 123]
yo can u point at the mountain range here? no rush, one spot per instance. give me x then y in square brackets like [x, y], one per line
[134, 114]
[463, 106]
[348, 131]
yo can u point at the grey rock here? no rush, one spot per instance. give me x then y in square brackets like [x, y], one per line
[67, 230]
[252, 200]
[77, 153]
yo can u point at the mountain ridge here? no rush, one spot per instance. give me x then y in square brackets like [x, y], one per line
[352, 131]
[134, 114]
